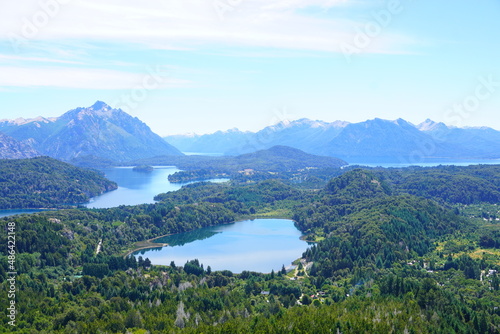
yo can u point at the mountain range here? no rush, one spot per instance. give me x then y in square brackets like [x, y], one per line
[96, 132]
[100, 134]
[372, 140]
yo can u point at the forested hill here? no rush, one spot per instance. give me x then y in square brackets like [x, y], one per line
[44, 182]
[277, 159]
[445, 184]
[274, 159]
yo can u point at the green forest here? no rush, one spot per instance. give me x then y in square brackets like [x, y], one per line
[412, 250]
[44, 182]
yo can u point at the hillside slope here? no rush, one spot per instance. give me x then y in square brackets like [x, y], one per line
[43, 182]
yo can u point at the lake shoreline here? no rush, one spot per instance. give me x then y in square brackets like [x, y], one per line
[230, 246]
[147, 244]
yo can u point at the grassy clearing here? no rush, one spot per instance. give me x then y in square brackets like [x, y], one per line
[144, 245]
[274, 213]
[489, 254]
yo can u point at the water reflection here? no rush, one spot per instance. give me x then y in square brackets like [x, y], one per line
[8, 213]
[136, 187]
[185, 238]
[258, 245]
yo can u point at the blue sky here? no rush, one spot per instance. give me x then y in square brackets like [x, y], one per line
[206, 65]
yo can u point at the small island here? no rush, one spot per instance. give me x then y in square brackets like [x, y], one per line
[143, 169]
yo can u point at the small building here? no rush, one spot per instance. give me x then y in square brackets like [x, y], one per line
[491, 272]
[247, 171]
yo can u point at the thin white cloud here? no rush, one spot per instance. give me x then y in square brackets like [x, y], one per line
[69, 33]
[297, 4]
[36, 59]
[83, 78]
[187, 24]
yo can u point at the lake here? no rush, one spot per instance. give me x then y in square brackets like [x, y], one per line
[259, 245]
[133, 188]
[7, 213]
[136, 187]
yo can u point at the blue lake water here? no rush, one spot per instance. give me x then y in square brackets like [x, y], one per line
[133, 188]
[136, 187]
[206, 154]
[258, 245]
[7, 213]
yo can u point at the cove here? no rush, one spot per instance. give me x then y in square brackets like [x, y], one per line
[260, 245]
[133, 188]
[136, 187]
[13, 212]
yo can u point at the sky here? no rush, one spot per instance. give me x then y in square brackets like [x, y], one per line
[198, 66]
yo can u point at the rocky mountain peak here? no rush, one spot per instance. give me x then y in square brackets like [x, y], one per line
[99, 130]
[430, 125]
[99, 105]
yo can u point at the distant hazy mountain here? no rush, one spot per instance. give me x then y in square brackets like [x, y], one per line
[13, 149]
[98, 131]
[303, 134]
[379, 139]
[372, 140]
[481, 141]
[217, 142]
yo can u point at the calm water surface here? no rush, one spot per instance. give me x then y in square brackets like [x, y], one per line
[133, 188]
[256, 245]
[136, 187]
[6, 213]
